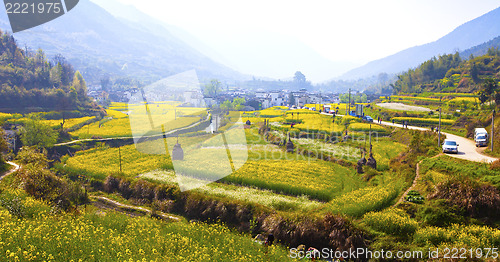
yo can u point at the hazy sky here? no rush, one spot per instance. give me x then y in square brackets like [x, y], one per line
[341, 31]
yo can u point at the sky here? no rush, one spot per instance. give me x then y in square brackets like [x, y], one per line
[252, 35]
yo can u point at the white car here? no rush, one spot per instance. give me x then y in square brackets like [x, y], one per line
[450, 146]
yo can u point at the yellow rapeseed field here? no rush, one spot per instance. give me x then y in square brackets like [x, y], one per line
[107, 236]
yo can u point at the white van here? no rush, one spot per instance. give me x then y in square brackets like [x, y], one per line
[480, 137]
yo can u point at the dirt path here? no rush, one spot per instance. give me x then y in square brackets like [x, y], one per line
[16, 167]
[106, 203]
[417, 177]
[415, 181]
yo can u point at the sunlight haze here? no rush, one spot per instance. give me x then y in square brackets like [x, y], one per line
[346, 33]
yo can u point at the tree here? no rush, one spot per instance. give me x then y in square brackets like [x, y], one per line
[56, 75]
[36, 133]
[80, 86]
[213, 88]
[3, 146]
[226, 106]
[238, 103]
[489, 90]
[105, 83]
[299, 77]
[474, 72]
[291, 99]
[300, 80]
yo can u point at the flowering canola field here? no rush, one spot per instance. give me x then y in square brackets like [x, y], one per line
[98, 236]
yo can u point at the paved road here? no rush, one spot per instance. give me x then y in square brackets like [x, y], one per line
[16, 167]
[467, 148]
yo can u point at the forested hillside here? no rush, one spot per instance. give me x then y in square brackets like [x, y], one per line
[31, 82]
[450, 73]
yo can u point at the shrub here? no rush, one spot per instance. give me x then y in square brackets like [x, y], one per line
[166, 192]
[414, 197]
[111, 184]
[14, 206]
[477, 200]
[43, 184]
[438, 213]
[495, 165]
[143, 190]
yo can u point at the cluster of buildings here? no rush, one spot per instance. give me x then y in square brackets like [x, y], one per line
[256, 100]
[267, 99]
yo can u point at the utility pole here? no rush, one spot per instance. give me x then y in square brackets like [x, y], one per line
[439, 134]
[120, 156]
[349, 111]
[370, 139]
[492, 129]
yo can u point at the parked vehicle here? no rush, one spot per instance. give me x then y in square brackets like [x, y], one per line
[368, 119]
[478, 131]
[480, 137]
[450, 146]
[481, 140]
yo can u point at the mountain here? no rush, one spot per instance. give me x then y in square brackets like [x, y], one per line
[283, 55]
[29, 82]
[481, 49]
[130, 14]
[98, 44]
[472, 33]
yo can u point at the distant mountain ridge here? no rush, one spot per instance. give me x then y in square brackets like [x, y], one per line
[470, 34]
[97, 44]
[481, 49]
[269, 54]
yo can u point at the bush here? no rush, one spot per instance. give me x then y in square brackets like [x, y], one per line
[438, 213]
[143, 190]
[495, 165]
[414, 197]
[477, 200]
[15, 207]
[166, 192]
[43, 184]
[111, 184]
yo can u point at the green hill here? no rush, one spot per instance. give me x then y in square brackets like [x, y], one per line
[30, 82]
[450, 74]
